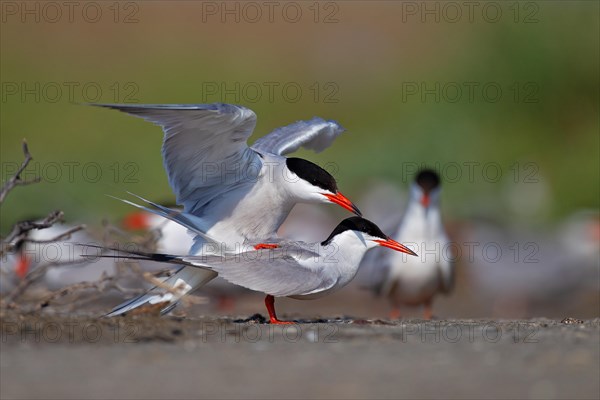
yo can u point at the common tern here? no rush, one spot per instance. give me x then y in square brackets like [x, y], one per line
[14, 266]
[52, 248]
[291, 269]
[416, 280]
[229, 191]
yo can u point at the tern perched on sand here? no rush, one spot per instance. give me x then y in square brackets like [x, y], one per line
[416, 280]
[293, 269]
[229, 191]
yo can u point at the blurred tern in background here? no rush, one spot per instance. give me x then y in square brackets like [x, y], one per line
[229, 191]
[14, 266]
[54, 249]
[528, 272]
[293, 269]
[415, 281]
[171, 236]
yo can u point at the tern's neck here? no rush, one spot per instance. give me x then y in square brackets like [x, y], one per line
[346, 251]
[420, 223]
[255, 214]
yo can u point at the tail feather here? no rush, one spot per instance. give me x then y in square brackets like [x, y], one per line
[186, 220]
[184, 281]
[167, 295]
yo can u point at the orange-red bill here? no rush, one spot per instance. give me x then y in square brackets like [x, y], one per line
[343, 201]
[392, 244]
[425, 200]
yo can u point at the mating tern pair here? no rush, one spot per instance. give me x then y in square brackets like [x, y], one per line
[246, 197]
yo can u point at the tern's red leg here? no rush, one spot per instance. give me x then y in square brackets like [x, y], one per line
[428, 311]
[226, 304]
[395, 313]
[265, 246]
[270, 303]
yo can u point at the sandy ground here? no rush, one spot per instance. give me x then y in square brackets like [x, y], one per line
[53, 356]
[343, 347]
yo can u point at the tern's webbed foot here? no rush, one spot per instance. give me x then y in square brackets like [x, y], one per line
[270, 303]
[275, 321]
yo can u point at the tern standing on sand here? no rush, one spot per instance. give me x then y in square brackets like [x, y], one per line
[415, 281]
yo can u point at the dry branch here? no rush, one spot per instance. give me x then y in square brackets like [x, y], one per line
[63, 236]
[21, 229]
[20, 235]
[16, 179]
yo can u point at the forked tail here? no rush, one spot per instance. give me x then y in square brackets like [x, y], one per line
[165, 296]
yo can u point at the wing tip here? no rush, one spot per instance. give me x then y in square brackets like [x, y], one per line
[335, 126]
[217, 106]
[126, 107]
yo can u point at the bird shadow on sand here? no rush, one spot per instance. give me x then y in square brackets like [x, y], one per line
[259, 319]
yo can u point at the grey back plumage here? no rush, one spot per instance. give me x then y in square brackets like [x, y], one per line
[292, 269]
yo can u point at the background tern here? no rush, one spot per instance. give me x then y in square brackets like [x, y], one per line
[229, 191]
[53, 250]
[415, 280]
[293, 269]
[171, 237]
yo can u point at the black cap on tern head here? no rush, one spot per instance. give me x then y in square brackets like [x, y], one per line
[312, 173]
[428, 180]
[356, 224]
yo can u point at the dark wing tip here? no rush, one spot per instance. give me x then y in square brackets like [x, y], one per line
[133, 108]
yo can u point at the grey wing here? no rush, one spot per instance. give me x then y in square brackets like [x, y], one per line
[275, 272]
[204, 148]
[446, 270]
[384, 202]
[316, 134]
[374, 270]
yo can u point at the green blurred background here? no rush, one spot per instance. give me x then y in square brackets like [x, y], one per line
[353, 61]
